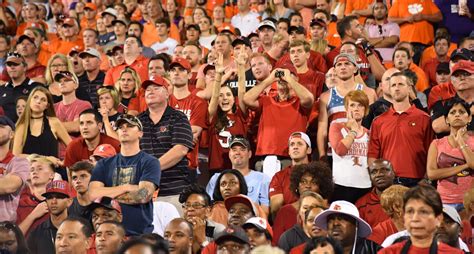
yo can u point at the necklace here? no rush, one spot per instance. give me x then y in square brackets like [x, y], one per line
[39, 117]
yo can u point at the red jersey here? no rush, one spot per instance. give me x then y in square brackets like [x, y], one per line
[26, 205]
[404, 139]
[383, 230]
[370, 209]
[298, 249]
[315, 62]
[77, 150]
[441, 92]
[219, 140]
[280, 184]
[140, 65]
[285, 219]
[138, 102]
[442, 249]
[272, 134]
[195, 109]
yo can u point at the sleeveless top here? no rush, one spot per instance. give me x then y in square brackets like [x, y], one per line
[335, 107]
[350, 170]
[45, 144]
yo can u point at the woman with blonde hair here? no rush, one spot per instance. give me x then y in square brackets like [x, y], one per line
[277, 9]
[38, 130]
[109, 101]
[56, 64]
[127, 86]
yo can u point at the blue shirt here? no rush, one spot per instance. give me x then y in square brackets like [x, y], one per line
[119, 170]
[257, 184]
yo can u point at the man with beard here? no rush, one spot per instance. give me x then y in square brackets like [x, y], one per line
[14, 172]
[240, 208]
[193, 54]
[179, 234]
[410, 131]
[109, 237]
[79, 149]
[80, 173]
[451, 228]
[381, 175]
[383, 35]
[42, 238]
[343, 223]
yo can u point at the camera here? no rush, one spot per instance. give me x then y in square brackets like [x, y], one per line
[279, 74]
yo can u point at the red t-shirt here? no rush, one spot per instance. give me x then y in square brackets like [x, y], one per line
[26, 205]
[442, 249]
[370, 209]
[219, 141]
[441, 92]
[272, 133]
[77, 150]
[140, 65]
[383, 230]
[315, 62]
[430, 70]
[280, 184]
[36, 71]
[195, 109]
[404, 139]
[298, 249]
[285, 219]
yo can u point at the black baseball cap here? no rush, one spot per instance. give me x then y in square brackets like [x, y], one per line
[231, 233]
[239, 140]
[462, 54]
[241, 40]
[298, 29]
[443, 68]
[4, 120]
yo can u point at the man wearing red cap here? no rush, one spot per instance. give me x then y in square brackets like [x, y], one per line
[58, 198]
[291, 105]
[191, 105]
[171, 129]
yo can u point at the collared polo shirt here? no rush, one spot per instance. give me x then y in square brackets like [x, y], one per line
[87, 90]
[172, 129]
[402, 138]
[370, 208]
[9, 94]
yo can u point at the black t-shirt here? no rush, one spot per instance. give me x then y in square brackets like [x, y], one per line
[76, 210]
[439, 109]
[250, 82]
[9, 94]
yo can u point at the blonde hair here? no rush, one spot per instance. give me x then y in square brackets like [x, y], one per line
[42, 159]
[468, 199]
[393, 195]
[319, 46]
[25, 118]
[48, 74]
[134, 76]
[112, 91]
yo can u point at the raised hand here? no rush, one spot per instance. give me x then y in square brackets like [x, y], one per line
[220, 68]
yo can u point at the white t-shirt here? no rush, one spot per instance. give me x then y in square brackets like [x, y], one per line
[246, 24]
[206, 41]
[167, 46]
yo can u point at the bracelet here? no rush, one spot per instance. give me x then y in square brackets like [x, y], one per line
[353, 133]
[463, 146]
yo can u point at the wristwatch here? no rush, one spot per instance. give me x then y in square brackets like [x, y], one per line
[204, 244]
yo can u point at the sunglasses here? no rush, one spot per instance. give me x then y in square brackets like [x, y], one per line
[11, 64]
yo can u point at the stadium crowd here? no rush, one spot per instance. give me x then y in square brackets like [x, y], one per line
[236, 126]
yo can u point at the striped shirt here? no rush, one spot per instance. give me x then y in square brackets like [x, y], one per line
[172, 129]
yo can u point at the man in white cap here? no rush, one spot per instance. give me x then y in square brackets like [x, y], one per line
[266, 30]
[343, 223]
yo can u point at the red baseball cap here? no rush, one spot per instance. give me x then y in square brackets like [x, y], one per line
[243, 199]
[91, 6]
[104, 151]
[58, 186]
[69, 22]
[181, 62]
[463, 65]
[156, 80]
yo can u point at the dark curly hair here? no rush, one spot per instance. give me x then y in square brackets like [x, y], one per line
[320, 172]
[194, 189]
[322, 241]
[222, 121]
[217, 196]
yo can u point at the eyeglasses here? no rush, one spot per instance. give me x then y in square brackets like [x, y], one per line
[193, 205]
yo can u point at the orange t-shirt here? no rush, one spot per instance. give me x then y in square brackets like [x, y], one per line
[422, 82]
[333, 37]
[21, 28]
[352, 5]
[421, 31]
[150, 36]
[64, 47]
[138, 102]
[140, 65]
[429, 53]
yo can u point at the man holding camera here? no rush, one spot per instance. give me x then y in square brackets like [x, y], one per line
[284, 110]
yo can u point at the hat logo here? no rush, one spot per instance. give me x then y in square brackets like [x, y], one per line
[101, 148]
[229, 230]
[337, 207]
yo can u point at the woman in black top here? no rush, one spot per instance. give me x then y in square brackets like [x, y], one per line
[127, 87]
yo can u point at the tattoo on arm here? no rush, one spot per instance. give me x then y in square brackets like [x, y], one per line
[141, 196]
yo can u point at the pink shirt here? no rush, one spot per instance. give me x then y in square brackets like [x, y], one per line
[452, 189]
[386, 30]
[20, 167]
